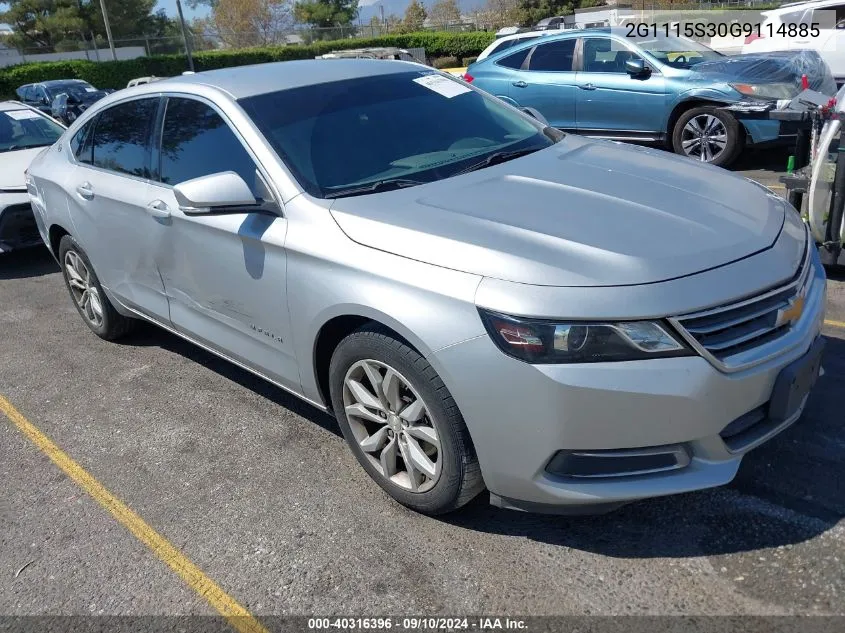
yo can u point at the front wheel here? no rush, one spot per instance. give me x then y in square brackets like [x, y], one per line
[709, 135]
[401, 423]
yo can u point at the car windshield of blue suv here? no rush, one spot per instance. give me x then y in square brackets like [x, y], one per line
[677, 52]
[25, 128]
[383, 132]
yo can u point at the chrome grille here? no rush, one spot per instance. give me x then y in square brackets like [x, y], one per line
[726, 333]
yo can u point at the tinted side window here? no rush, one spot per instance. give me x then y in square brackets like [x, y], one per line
[554, 56]
[196, 141]
[81, 145]
[515, 60]
[29, 93]
[121, 137]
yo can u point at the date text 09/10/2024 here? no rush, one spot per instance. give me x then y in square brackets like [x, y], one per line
[734, 29]
[418, 624]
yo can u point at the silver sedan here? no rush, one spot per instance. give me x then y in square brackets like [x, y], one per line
[480, 300]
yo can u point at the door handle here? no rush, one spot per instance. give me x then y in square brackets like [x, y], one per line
[587, 87]
[158, 209]
[85, 191]
[519, 84]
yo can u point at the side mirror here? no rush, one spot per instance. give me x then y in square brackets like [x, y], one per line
[45, 100]
[225, 191]
[636, 67]
[534, 113]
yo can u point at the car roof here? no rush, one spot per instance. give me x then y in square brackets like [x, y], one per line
[6, 106]
[60, 82]
[516, 36]
[247, 81]
[791, 6]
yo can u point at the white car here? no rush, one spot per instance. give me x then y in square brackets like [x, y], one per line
[825, 32]
[24, 133]
[508, 41]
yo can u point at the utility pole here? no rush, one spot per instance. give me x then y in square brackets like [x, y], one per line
[108, 29]
[185, 36]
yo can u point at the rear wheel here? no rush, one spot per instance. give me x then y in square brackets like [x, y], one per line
[401, 422]
[709, 135]
[88, 296]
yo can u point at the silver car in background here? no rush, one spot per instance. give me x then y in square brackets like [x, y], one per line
[480, 300]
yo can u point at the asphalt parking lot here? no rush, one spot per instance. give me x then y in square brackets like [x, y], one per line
[260, 492]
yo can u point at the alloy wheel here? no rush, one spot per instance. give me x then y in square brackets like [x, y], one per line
[83, 288]
[392, 425]
[704, 137]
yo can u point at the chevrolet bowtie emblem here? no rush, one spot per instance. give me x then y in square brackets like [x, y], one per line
[792, 312]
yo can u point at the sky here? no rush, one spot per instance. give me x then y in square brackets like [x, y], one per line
[170, 7]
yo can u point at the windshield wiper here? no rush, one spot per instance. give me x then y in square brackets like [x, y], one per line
[374, 187]
[497, 157]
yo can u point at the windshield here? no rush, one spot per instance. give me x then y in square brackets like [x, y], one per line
[677, 52]
[407, 128]
[20, 129]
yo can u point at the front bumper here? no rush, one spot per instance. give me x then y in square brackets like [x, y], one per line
[17, 223]
[521, 415]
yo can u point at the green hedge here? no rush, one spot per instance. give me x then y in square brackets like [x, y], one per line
[117, 74]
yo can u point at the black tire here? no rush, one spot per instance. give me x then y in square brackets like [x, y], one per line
[113, 325]
[460, 478]
[734, 132]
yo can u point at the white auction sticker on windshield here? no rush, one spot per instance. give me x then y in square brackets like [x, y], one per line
[441, 85]
[20, 115]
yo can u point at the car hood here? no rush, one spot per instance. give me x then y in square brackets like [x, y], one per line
[13, 164]
[764, 68]
[580, 213]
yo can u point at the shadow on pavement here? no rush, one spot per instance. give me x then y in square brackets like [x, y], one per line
[146, 335]
[29, 262]
[788, 491]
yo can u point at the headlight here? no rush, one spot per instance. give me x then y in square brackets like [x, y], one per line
[767, 91]
[542, 341]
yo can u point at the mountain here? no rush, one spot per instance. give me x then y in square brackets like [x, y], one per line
[369, 8]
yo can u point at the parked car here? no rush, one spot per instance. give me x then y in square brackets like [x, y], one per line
[828, 40]
[671, 90]
[546, 24]
[63, 99]
[388, 52]
[479, 299]
[24, 133]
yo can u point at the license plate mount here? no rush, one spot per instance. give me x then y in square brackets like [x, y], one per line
[794, 383]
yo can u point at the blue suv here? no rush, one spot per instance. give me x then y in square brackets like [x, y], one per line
[658, 88]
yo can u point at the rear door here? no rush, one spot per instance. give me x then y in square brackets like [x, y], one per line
[107, 190]
[611, 101]
[547, 82]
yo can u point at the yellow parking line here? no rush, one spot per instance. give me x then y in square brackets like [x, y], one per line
[238, 617]
[835, 323]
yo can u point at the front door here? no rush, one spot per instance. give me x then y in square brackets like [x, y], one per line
[225, 273]
[548, 82]
[107, 191]
[609, 100]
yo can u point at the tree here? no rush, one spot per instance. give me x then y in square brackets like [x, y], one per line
[415, 16]
[532, 11]
[444, 12]
[42, 23]
[66, 24]
[245, 23]
[326, 13]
